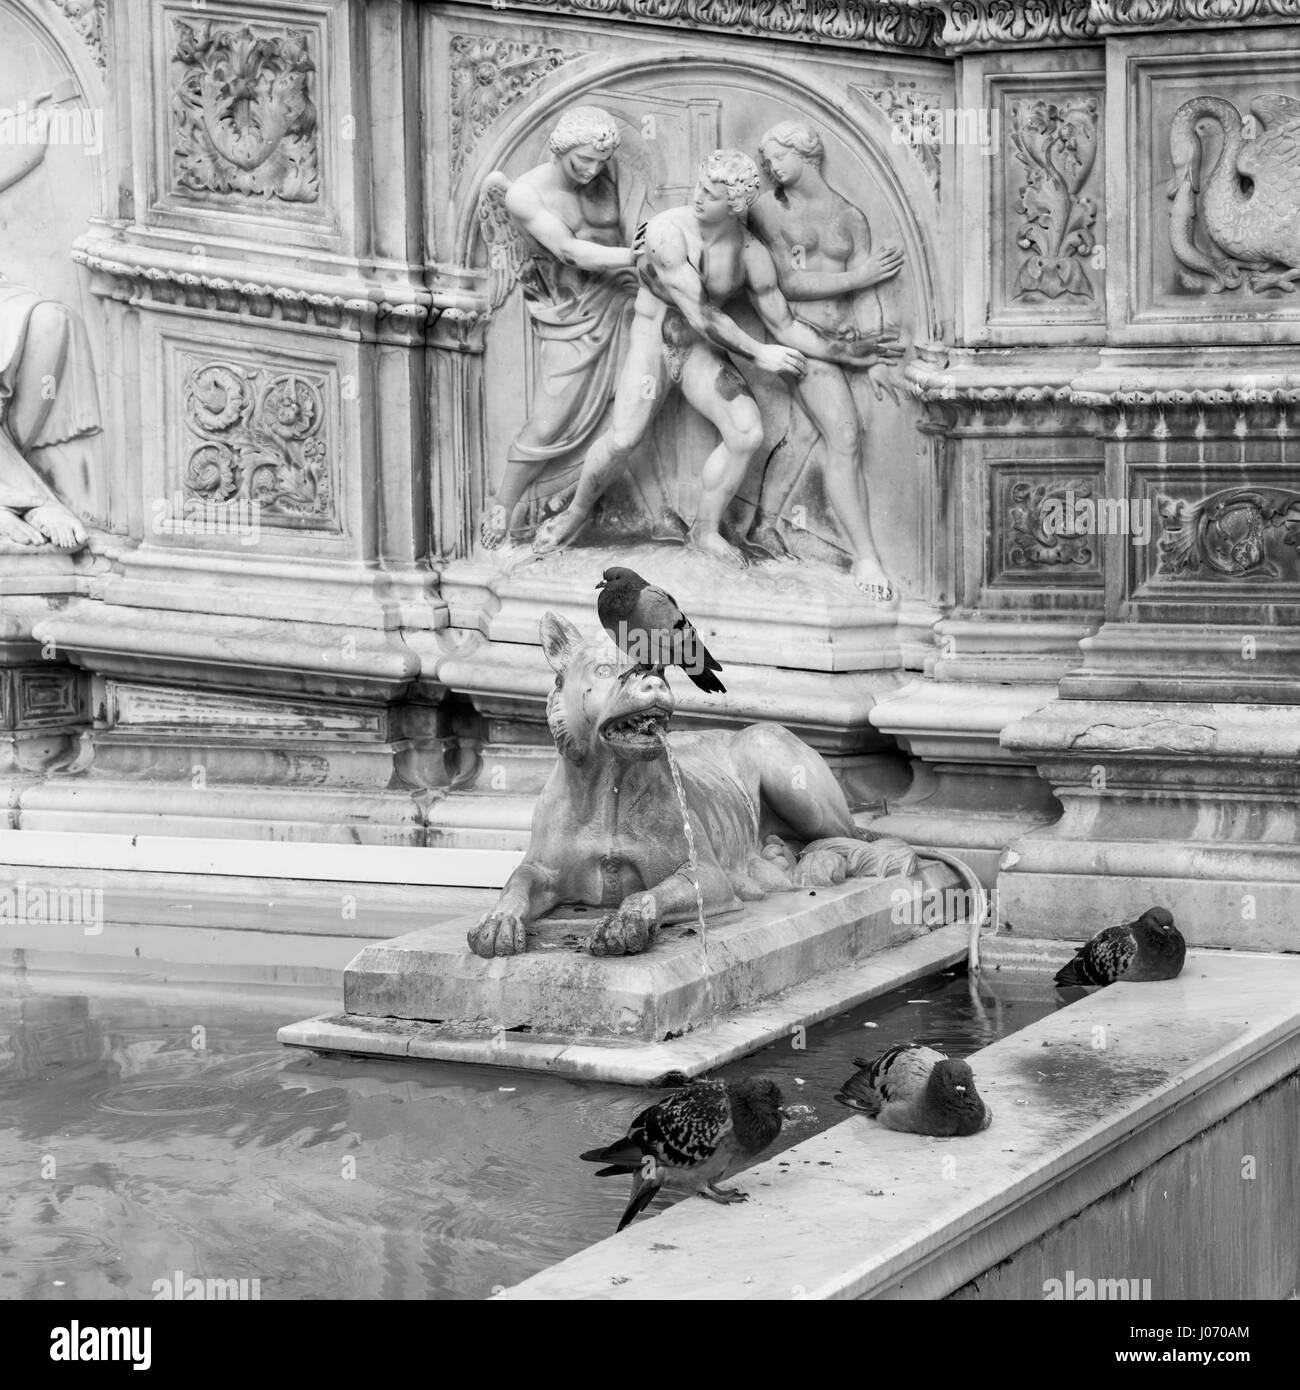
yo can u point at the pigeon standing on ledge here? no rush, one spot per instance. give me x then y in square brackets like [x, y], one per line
[917, 1090]
[693, 1139]
[651, 630]
[1151, 948]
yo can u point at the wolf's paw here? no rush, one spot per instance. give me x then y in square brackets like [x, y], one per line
[628, 931]
[498, 933]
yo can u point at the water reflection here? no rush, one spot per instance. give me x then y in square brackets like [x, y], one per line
[128, 1152]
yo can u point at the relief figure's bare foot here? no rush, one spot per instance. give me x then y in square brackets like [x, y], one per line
[764, 534]
[14, 528]
[713, 544]
[559, 531]
[57, 525]
[495, 528]
[668, 526]
[870, 578]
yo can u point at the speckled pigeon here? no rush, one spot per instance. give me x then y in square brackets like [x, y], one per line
[651, 630]
[693, 1139]
[1151, 948]
[918, 1090]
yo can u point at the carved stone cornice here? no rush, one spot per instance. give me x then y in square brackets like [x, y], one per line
[1113, 16]
[227, 288]
[1150, 403]
[953, 26]
[897, 24]
[972, 24]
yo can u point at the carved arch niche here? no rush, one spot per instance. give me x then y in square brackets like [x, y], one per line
[48, 199]
[671, 116]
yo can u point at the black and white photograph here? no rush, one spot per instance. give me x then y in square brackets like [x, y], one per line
[649, 652]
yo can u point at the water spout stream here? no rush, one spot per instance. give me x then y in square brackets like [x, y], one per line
[693, 864]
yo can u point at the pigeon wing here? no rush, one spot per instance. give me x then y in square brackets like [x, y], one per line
[685, 1130]
[903, 1071]
[1102, 960]
[859, 1091]
[674, 638]
[658, 615]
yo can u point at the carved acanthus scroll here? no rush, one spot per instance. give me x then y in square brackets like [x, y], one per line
[244, 118]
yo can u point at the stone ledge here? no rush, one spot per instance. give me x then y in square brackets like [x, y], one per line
[882, 1217]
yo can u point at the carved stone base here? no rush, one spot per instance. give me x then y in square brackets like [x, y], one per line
[42, 696]
[1193, 806]
[1148, 661]
[789, 960]
[209, 724]
[968, 796]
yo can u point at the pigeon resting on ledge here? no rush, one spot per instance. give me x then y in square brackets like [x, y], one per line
[1151, 948]
[917, 1090]
[693, 1139]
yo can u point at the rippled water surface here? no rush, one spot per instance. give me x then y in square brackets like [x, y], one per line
[146, 1130]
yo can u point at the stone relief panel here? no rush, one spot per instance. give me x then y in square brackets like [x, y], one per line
[254, 447]
[1043, 530]
[1226, 536]
[740, 408]
[1236, 532]
[243, 118]
[1217, 227]
[53, 469]
[259, 436]
[243, 124]
[1048, 231]
[1234, 223]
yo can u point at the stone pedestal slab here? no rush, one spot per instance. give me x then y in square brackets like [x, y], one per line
[686, 1002]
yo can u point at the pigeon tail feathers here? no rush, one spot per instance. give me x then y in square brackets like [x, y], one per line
[643, 1193]
[707, 681]
[624, 1152]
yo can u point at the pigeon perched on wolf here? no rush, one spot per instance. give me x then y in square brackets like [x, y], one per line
[649, 628]
[767, 813]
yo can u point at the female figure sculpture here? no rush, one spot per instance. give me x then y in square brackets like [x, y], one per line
[821, 246]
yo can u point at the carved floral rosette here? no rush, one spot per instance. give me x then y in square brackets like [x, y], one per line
[260, 439]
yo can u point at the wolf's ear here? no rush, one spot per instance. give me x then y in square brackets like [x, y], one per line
[560, 639]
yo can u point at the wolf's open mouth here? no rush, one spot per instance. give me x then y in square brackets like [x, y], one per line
[641, 727]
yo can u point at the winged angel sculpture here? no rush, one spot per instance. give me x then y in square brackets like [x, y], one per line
[1247, 205]
[556, 231]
